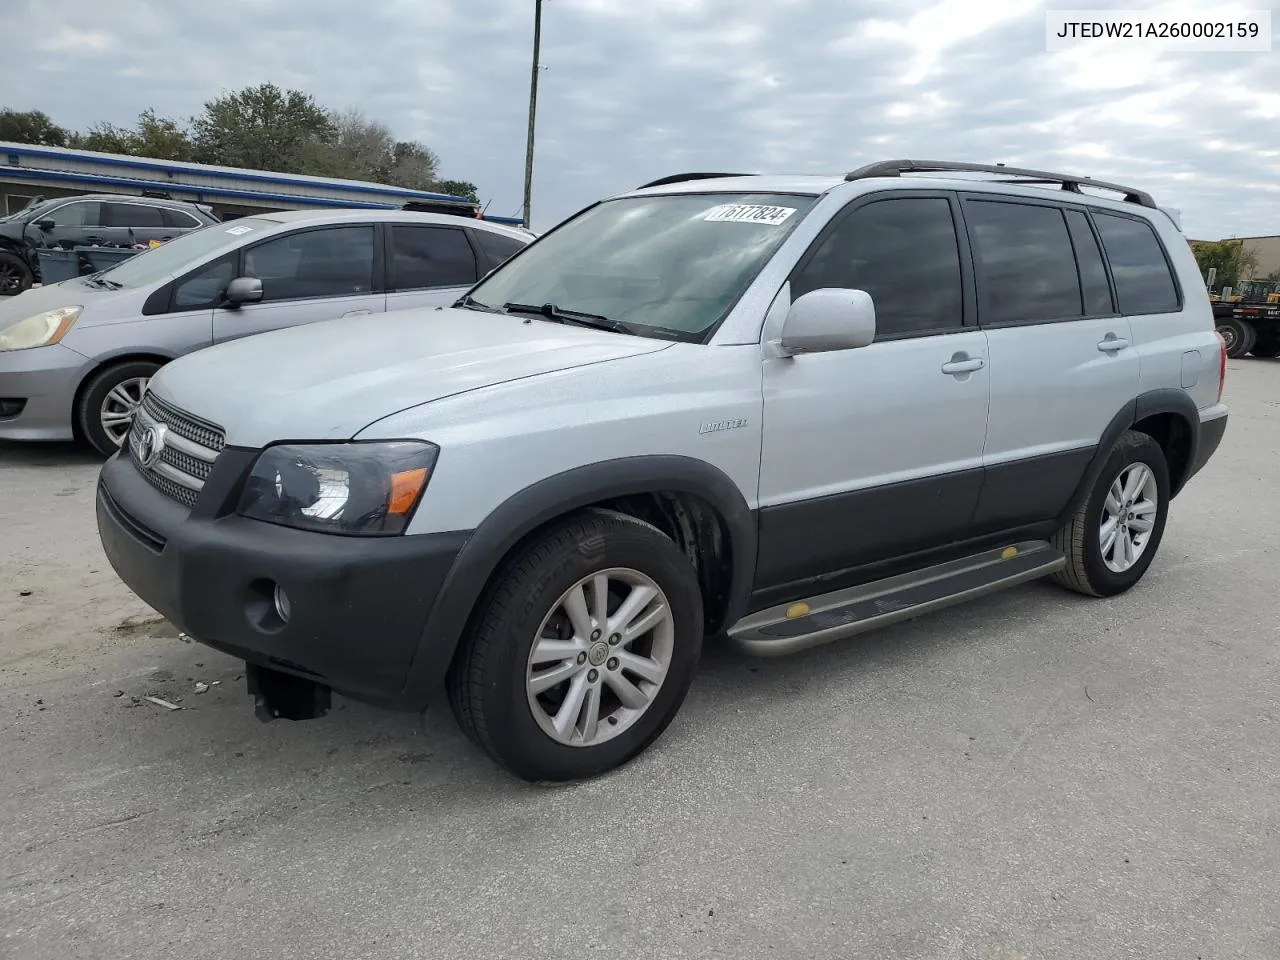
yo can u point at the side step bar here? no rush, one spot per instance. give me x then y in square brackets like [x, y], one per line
[791, 627]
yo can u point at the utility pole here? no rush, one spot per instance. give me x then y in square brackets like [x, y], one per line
[533, 110]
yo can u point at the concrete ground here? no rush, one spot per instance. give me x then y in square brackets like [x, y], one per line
[1034, 775]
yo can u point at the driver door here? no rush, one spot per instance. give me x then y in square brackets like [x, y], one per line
[873, 453]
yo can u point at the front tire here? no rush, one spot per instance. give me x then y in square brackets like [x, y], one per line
[1111, 540]
[109, 401]
[15, 275]
[581, 652]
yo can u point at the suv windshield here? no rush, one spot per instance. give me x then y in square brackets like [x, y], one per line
[667, 266]
[158, 262]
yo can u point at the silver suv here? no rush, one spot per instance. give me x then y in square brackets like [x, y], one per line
[75, 357]
[778, 410]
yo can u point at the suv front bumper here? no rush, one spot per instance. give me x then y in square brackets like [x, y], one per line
[357, 606]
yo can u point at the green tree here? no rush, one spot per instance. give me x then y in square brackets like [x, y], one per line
[155, 137]
[457, 188]
[31, 127]
[1229, 258]
[263, 128]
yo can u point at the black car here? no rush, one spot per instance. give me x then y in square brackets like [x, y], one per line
[92, 219]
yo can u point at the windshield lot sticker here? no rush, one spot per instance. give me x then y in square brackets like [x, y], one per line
[749, 213]
[236, 231]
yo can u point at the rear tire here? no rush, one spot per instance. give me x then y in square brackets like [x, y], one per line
[1239, 336]
[15, 275]
[105, 411]
[1096, 567]
[591, 719]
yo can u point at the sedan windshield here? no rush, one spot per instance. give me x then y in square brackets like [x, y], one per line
[182, 251]
[667, 266]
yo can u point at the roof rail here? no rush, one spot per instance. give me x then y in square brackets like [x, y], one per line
[682, 177]
[895, 168]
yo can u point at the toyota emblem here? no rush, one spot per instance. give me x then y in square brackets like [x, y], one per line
[151, 444]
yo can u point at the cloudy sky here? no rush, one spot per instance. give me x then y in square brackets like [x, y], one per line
[636, 89]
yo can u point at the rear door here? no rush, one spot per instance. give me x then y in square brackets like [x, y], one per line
[317, 273]
[129, 222]
[1062, 358]
[428, 265]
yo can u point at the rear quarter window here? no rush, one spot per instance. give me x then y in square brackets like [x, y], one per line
[1143, 278]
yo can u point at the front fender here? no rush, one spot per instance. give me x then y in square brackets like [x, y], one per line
[557, 496]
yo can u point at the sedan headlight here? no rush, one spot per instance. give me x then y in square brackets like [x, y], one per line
[39, 331]
[358, 489]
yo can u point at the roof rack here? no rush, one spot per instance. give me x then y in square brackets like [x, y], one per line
[895, 168]
[682, 177]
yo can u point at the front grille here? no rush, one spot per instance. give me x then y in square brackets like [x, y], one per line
[172, 449]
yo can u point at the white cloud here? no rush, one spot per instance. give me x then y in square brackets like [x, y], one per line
[634, 91]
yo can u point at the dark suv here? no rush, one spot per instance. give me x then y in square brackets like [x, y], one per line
[107, 220]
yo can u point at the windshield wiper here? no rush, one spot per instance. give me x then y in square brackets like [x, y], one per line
[469, 302]
[552, 312]
[98, 280]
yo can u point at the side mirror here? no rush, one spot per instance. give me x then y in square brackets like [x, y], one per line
[46, 224]
[824, 320]
[243, 290]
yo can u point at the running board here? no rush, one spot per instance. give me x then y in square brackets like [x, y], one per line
[791, 627]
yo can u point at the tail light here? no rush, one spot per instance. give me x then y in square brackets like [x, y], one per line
[1222, 363]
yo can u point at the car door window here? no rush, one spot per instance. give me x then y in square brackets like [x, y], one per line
[203, 288]
[1144, 283]
[133, 215]
[1093, 272]
[87, 213]
[330, 262]
[423, 257]
[1025, 262]
[179, 219]
[497, 246]
[904, 252]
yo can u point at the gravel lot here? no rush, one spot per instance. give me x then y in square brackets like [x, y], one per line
[1034, 775]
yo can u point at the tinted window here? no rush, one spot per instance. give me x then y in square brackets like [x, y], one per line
[1026, 266]
[133, 215]
[83, 214]
[204, 287]
[1093, 273]
[176, 218]
[496, 246]
[1143, 281]
[333, 262]
[904, 253]
[430, 257]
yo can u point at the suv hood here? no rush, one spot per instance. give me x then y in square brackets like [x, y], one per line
[329, 380]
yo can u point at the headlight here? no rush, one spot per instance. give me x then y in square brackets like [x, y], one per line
[358, 489]
[39, 331]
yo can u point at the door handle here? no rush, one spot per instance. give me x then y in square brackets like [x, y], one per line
[357, 313]
[1112, 344]
[963, 363]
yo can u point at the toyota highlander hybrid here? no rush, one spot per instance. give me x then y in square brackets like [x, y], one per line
[774, 410]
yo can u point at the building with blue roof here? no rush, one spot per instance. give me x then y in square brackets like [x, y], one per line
[28, 172]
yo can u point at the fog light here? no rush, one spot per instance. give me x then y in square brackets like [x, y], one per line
[282, 603]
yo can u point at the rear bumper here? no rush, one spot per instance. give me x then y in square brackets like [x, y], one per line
[357, 606]
[1211, 434]
[37, 392]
